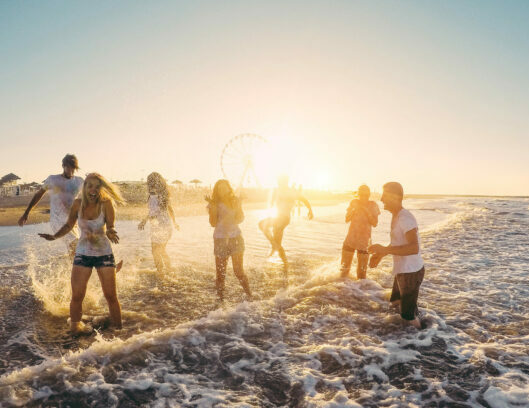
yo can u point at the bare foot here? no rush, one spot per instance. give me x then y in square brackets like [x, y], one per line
[395, 304]
[415, 323]
[79, 328]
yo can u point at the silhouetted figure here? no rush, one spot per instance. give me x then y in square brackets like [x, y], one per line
[284, 198]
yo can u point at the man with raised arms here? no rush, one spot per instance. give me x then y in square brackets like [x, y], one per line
[283, 198]
[408, 266]
[63, 189]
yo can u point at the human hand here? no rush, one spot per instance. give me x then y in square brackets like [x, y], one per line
[141, 225]
[176, 226]
[48, 237]
[310, 215]
[374, 260]
[377, 249]
[208, 199]
[22, 220]
[112, 235]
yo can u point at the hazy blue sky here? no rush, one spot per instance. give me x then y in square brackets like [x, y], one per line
[433, 94]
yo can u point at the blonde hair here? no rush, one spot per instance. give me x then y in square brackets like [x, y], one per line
[159, 184]
[107, 192]
[215, 196]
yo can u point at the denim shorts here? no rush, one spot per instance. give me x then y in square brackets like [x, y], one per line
[104, 261]
[225, 247]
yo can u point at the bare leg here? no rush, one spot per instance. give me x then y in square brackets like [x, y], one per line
[347, 260]
[157, 250]
[238, 270]
[165, 257]
[361, 268]
[107, 277]
[278, 239]
[265, 226]
[221, 276]
[79, 280]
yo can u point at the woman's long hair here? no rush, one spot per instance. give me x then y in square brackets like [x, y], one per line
[108, 191]
[158, 183]
[215, 197]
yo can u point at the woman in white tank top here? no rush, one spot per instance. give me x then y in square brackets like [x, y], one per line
[160, 216]
[94, 212]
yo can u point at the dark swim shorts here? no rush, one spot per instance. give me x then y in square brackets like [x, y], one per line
[225, 247]
[104, 261]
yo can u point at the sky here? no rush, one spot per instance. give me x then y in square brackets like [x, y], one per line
[432, 94]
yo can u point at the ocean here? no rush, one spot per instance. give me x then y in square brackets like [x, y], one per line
[320, 342]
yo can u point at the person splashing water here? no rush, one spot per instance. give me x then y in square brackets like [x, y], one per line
[160, 216]
[95, 214]
[284, 198]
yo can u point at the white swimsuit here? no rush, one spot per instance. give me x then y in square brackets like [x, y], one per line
[161, 229]
[93, 240]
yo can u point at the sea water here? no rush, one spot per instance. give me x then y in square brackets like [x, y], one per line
[320, 342]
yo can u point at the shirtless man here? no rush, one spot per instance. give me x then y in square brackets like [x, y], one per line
[284, 198]
[408, 266]
[63, 189]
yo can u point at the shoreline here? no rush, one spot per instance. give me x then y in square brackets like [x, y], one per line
[9, 216]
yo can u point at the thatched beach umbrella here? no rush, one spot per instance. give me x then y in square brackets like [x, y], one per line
[176, 182]
[195, 182]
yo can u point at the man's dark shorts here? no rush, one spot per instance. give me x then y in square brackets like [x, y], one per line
[406, 288]
[104, 261]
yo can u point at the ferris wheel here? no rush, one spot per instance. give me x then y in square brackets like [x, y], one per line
[241, 157]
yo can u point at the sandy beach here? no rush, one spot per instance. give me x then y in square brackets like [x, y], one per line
[11, 210]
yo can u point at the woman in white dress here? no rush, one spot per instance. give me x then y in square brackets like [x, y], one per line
[160, 216]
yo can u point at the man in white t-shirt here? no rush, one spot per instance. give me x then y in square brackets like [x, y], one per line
[408, 266]
[63, 189]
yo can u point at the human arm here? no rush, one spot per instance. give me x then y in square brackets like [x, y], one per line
[310, 215]
[213, 212]
[68, 226]
[171, 214]
[34, 201]
[371, 214]
[350, 211]
[142, 223]
[410, 248]
[110, 217]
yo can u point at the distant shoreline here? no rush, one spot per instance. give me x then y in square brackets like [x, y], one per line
[9, 216]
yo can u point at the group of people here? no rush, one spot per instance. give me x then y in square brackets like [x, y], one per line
[88, 205]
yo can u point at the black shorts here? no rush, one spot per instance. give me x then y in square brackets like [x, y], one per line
[406, 289]
[347, 248]
[226, 247]
[104, 261]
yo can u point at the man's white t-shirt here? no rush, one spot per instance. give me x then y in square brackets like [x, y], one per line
[403, 222]
[62, 193]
